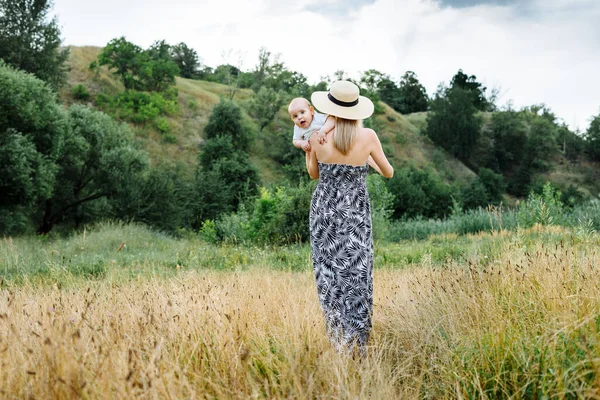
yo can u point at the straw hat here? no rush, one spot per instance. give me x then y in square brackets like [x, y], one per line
[343, 100]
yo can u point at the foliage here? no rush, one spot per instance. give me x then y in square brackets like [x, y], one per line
[146, 70]
[419, 193]
[80, 92]
[412, 95]
[158, 69]
[30, 41]
[125, 58]
[162, 197]
[545, 208]
[226, 120]
[265, 104]
[474, 194]
[223, 186]
[452, 122]
[592, 138]
[382, 206]
[464, 82]
[138, 107]
[32, 137]
[187, 60]
[99, 160]
[509, 134]
[494, 185]
[541, 143]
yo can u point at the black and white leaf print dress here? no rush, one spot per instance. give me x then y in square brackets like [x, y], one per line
[342, 252]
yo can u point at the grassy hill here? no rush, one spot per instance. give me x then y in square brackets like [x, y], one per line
[400, 134]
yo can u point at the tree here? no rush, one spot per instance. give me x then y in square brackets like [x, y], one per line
[541, 143]
[265, 104]
[412, 94]
[509, 134]
[419, 193]
[592, 138]
[452, 123]
[477, 90]
[31, 42]
[125, 58]
[158, 68]
[187, 60]
[371, 79]
[226, 120]
[99, 160]
[32, 133]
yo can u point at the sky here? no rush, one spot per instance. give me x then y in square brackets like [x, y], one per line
[532, 51]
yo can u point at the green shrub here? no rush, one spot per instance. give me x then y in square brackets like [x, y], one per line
[544, 209]
[162, 124]
[208, 231]
[80, 92]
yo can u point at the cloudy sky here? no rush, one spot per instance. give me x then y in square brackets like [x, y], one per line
[534, 51]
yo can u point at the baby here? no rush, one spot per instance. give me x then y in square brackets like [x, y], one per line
[307, 121]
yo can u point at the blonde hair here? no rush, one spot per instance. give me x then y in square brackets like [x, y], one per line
[346, 132]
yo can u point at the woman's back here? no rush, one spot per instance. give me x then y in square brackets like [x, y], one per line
[365, 144]
[357, 155]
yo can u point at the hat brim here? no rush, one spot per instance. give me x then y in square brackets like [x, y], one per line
[364, 108]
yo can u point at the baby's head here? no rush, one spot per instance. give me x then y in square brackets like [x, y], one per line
[301, 112]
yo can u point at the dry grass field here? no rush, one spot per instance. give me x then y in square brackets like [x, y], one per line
[522, 324]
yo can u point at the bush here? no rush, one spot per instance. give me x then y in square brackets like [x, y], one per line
[138, 107]
[282, 216]
[80, 92]
[544, 209]
[382, 206]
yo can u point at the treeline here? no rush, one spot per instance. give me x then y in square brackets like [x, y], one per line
[71, 167]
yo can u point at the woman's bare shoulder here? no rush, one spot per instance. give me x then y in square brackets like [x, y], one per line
[368, 133]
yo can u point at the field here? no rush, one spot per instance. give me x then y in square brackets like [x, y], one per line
[119, 311]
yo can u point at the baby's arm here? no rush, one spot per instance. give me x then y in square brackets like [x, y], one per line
[327, 127]
[301, 144]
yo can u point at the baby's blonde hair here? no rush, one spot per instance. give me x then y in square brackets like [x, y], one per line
[346, 132]
[297, 99]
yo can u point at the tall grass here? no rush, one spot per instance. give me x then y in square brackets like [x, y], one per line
[534, 211]
[516, 316]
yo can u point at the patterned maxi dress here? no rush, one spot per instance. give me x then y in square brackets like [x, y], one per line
[342, 252]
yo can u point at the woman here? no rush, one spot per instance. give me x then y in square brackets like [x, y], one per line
[340, 215]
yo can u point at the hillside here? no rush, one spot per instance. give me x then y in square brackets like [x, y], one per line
[400, 134]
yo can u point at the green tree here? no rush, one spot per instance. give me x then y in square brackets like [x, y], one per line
[223, 186]
[265, 104]
[494, 185]
[509, 134]
[541, 143]
[125, 58]
[412, 95]
[32, 135]
[163, 197]
[158, 70]
[226, 120]
[99, 160]
[452, 122]
[592, 138]
[187, 60]
[468, 83]
[30, 40]
[419, 193]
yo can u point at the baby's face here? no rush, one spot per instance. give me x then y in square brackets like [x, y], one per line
[301, 113]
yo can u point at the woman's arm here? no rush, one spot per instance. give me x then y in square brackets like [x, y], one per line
[313, 164]
[374, 165]
[379, 157]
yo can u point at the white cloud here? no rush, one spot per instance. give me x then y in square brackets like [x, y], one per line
[541, 51]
